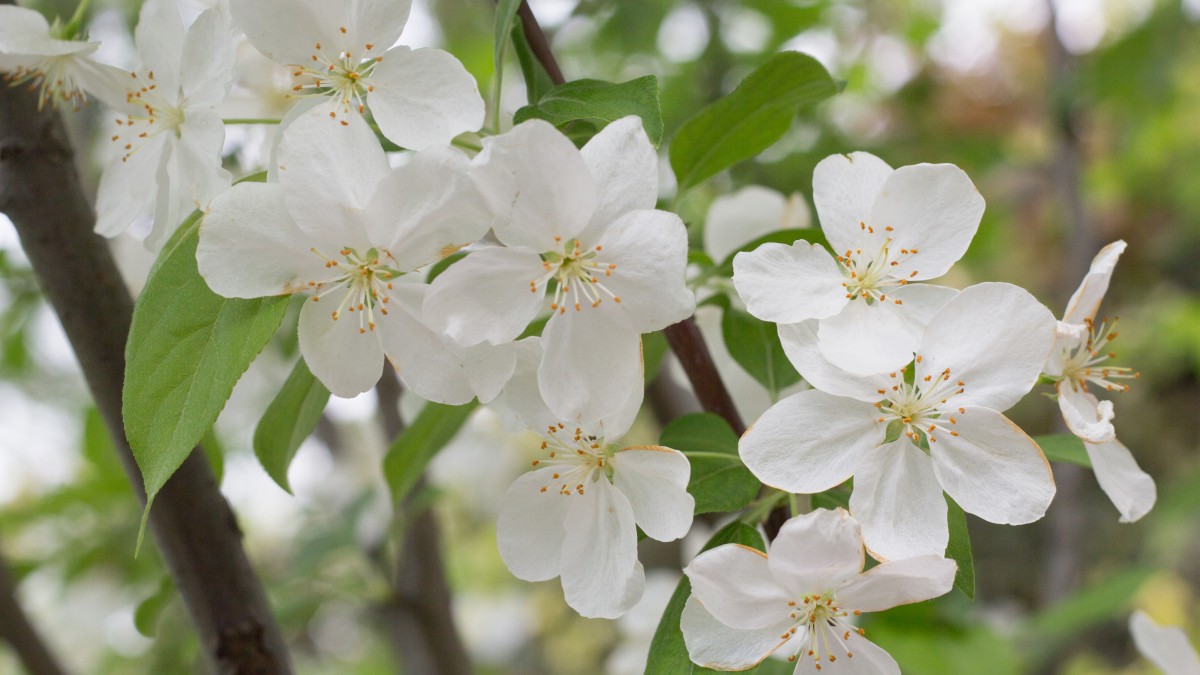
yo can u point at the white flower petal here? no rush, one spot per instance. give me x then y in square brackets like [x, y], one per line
[649, 249]
[530, 529]
[1165, 646]
[624, 167]
[787, 284]
[992, 469]
[712, 644]
[128, 189]
[435, 368]
[899, 502]
[1086, 417]
[249, 247]
[346, 361]
[995, 337]
[207, 68]
[521, 397]
[1131, 490]
[799, 342]
[844, 189]
[485, 297]
[868, 339]
[537, 184]
[291, 41]
[160, 38]
[816, 552]
[21, 24]
[868, 658]
[601, 575]
[427, 209]
[810, 441]
[740, 217]
[329, 173]
[899, 582]
[654, 480]
[1085, 302]
[424, 97]
[931, 208]
[735, 584]
[592, 360]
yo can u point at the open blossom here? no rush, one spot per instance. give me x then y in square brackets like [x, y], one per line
[888, 228]
[581, 227]
[341, 55]
[1165, 646]
[343, 227]
[1079, 361]
[33, 52]
[800, 599]
[908, 435]
[576, 515]
[169, 135]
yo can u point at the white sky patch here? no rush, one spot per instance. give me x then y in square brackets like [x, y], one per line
[495, 627]
[893, 64]
[1191, 9]
[422, 29]
[38, 446]
[1081, 23]
[819, 43]
[683, 34]
[745, 30]
[552, 13]
[361, 407]
[116, 44]
[9, 243]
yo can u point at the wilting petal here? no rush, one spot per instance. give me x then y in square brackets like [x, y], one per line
[844, 189]
[1086, 417]
[654, 480]
[424, 97]
[992, 469]
[649, 249]
[1087, 298]
[601, 575]
[592, 360]
[712, 644]
[1165, 646]
[810, 441]
[1131, 490]
[530, 530]
[802, 567]
[899, 582]
[624, 167]
[787, 284]
[735, 584]
[994, 337]
[485, 297]
[899, 502]
[346, 361]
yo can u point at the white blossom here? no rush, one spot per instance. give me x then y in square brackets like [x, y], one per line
[1165, 646]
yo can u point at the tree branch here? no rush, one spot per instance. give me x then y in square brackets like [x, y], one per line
[192, 523]
[17, 631]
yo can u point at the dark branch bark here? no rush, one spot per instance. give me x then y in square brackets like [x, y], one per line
[418, 610]
[538, 43]
[18, 632]
[192, 523]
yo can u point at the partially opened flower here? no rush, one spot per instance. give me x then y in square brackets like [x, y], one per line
[343, 227]
[581, 227]
[1165, 646]
[576, 515]
[888, 228]
[341, 54]
[169, 137]
[1079, 361]
[34, 53]
[801, 599]
[908, 435]
[741, 217]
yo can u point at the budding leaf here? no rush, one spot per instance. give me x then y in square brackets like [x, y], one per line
[289, 420]
[719, 482]
[750, 119]
[599, 103]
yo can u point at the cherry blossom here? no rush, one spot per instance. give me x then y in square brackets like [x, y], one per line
[579, 226]
[801, 598]
[909, 434]
[576, 515]
[341, 55]
[1079, 359]
[887, 228]
[343, 227]
[1165, 646]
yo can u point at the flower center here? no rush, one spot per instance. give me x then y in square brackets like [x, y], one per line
[868, 276]
[341, 75]
[362, 281]
[1085, 362]
[54, 80]
[160, 115]
[820, 621]
[919, 408]
[583, 458]
[578, 274]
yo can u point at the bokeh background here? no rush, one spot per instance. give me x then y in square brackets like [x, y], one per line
[1078, 120]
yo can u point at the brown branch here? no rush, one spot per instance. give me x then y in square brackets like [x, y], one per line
[418, 610]
[192, 523]
[538, 43]
[18, 632]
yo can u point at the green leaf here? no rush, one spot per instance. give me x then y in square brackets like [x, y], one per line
[506, 17]
[668, 654]
[436, 269]
[187, 348]
[145, 617]
[654, 348]
[755, 346]
[789, 236]
[599, 102]
[959, 549]
[214, 451]
[289, 420]
[720, 482]
[1064, 448]
[750, 118]
[434, 427]
[537, 80]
